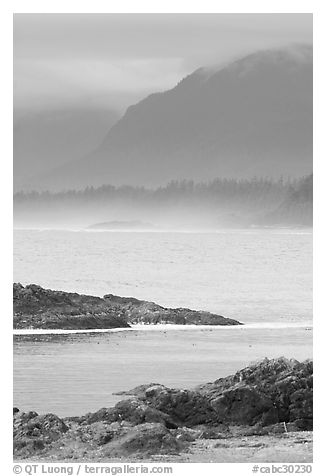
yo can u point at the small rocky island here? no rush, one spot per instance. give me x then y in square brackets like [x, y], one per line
[39, 308]
[266, 407]
[121, 225]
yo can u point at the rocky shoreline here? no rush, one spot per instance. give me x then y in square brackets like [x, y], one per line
[271, 398]
[39, 308]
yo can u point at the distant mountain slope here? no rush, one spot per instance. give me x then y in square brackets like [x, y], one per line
[251, 117]
[44, 140]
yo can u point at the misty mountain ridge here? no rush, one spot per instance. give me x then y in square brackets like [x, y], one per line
[293, 53]
[250, 117]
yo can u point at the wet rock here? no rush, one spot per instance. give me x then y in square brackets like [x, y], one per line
[153, 390]
[302, 424]
[187, 434]
[243, 405]
[268, 392]
[143, 440]
[213, 432]
[39, 308]
[138, 391]
[32, 432]
[132, 410]
[100, 433]
[36, 307]
[146, 312]
[185, 407]
[270, 397]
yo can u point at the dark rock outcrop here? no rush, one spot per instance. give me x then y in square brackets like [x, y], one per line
[146, 312]
[270, 397]
[33, 432]
[39, 308]
[133, 411]
[143, 440]
[271, 391]
[185, 407]
[138, 391]
[69, 438]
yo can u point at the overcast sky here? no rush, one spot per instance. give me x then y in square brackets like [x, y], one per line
[113, 60]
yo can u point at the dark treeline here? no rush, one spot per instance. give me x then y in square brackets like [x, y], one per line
[221, 202]
[220, 190]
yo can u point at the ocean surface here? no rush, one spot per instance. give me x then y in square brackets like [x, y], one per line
[260, 277]
[248, 275]
[77, 373]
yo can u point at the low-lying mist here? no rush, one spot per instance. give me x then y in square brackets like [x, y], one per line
[183, 205]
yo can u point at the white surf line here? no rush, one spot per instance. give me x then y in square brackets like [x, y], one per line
[252, 325]
[166, 327]
[67, 331]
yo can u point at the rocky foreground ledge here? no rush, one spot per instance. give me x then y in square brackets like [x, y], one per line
[272, 397]
[39, 308]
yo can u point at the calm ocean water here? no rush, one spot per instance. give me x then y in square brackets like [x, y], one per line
[252, 276]
[74, 374]
[258, 276]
